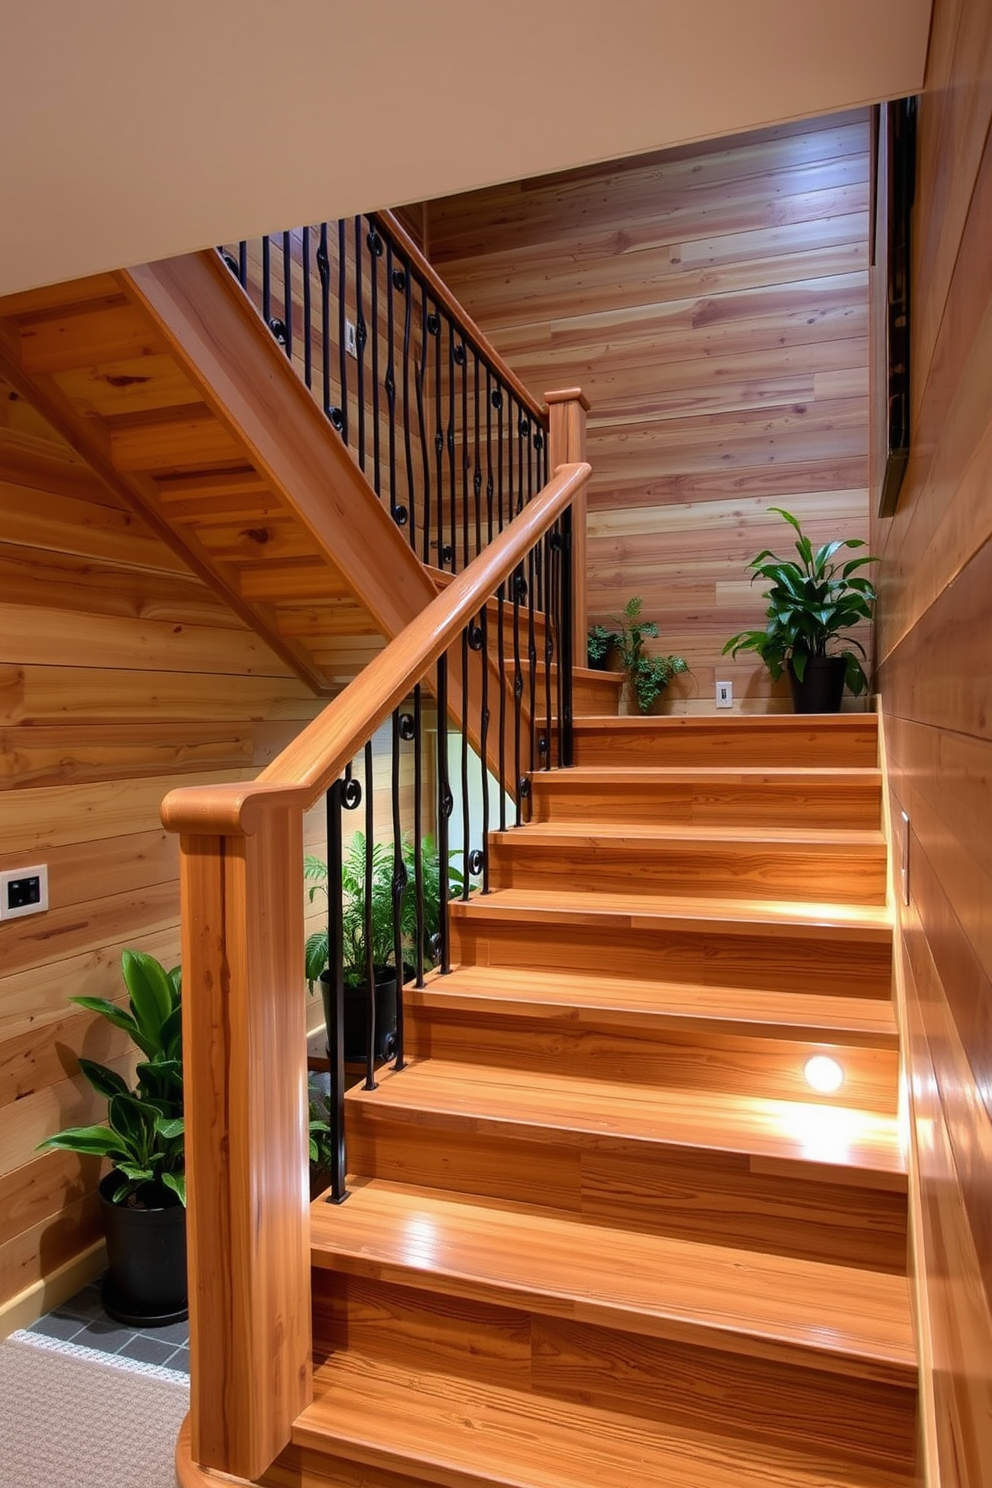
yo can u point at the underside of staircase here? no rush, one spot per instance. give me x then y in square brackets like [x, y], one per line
[600, 1230]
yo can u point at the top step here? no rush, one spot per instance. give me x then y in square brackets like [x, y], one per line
[791, 740]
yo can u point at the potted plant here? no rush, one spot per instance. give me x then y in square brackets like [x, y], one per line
[143, 1197]
[812, 603]
[647, 674]
[599, 641]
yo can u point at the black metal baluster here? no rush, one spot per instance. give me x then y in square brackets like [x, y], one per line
[399, 881]
[398, 512]
[335, 977]
[359, 347]
[496, 398]
[367, 921]
[324, 270]
[501, 662]
[307, 313]
[401, 279]
[477, 465]
[549, 647]
[461, 360]
[556, 557]
[532, 654]
[342, 419]
[422, 426]
[509, 459]
[266, 280]
[375, 253]
[450, 443]
[484, 742]
[469, 642]
[418, 832]
[565, 649]
[489, 455]
[444, 805]
[243, 263]
[521, 426]
[519, 593]
[287, 292]
[434, 327]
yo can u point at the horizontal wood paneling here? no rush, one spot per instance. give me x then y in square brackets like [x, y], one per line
[933, 635]
[712, 304]
[121, 676]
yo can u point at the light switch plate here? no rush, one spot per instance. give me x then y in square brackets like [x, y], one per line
[23, 891]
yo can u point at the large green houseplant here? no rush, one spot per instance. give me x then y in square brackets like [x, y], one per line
[144, 1194]
[812, 604]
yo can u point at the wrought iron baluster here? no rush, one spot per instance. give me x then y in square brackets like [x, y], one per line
[477, 465]
[501, 663]
[342, 419]
[359, 347]
[399, 879]
[565, 648]
[461, 361]
[243, 263]
[266, 280]
[375, 253]
[367, 921]
[287, 292]
[467, 644]
[444, 805]
[401, 279]
[483, 742]
[324, 271]
[434, 328]
[532, 657]
[519, 593]
[418, 833]
[422, 368]
[489, 455]
[335, 993]
[522, 425]
[307, 313]
[496, 399]
[549, 647]
[399, 513]
[556, 558]
[450, 444]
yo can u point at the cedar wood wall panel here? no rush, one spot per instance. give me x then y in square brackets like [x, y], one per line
[121, 676]
[712, 303]
[934, 639]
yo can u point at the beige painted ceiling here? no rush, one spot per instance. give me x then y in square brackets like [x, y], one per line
[136, 129]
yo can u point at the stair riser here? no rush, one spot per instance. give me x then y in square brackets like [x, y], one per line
[687, 1381]
[702, 1060]
[817, 875]
[760, 747]
[705, 956]
[694, 1194]
[764, 803]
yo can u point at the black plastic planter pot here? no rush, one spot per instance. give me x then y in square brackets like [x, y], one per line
[145, 1286]
[356, 1014]
[822, 686]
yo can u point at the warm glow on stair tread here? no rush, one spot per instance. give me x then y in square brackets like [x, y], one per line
[465, 1433]
[589, 1112]
[847, 838]
[650, 1283]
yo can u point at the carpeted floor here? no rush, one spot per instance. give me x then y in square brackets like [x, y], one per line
[71, 1421]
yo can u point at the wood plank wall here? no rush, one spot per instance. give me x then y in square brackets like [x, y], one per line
[935, 643]
[712, 303]
[121, 675]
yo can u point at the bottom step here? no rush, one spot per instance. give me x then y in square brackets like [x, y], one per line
[381, 1426]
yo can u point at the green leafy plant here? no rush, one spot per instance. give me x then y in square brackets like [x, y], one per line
[812, 603]
[353, 913]
[647, 673]
[144, 1133]
[599, 640]
[320, 1149]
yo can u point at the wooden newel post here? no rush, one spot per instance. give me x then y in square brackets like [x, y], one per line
[244, 1051]
[567, 411]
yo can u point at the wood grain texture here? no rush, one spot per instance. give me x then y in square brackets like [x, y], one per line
[932, 638]
[712, 304]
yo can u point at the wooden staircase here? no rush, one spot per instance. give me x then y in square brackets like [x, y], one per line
[601, 1231]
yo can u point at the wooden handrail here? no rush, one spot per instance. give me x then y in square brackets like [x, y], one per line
[307, 766]
[442, 294]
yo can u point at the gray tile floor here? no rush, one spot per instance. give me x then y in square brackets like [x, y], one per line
[82, 1321]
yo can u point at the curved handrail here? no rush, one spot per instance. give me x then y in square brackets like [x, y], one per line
[318, 755]
[393, 228]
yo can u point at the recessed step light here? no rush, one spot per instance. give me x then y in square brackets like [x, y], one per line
[824, 1074]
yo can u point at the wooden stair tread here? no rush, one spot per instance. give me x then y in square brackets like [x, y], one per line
[848, 922]
[574, 1111]
[567, 834]
[689, 723]
[648, 775]
[516, 1255]
[617, 1001]
[460, 1434]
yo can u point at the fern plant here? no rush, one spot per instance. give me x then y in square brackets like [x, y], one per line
[647, 673]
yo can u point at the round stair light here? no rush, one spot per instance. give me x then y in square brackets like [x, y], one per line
[824, 1074]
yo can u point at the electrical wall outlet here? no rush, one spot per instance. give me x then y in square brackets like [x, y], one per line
[725, 694]
[350, 338]
[23, 891]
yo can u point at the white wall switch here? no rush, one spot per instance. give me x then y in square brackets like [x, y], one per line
[350, 338]
[23, 891]
[725, 694]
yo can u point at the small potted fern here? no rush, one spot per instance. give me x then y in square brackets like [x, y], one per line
[647, 673]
